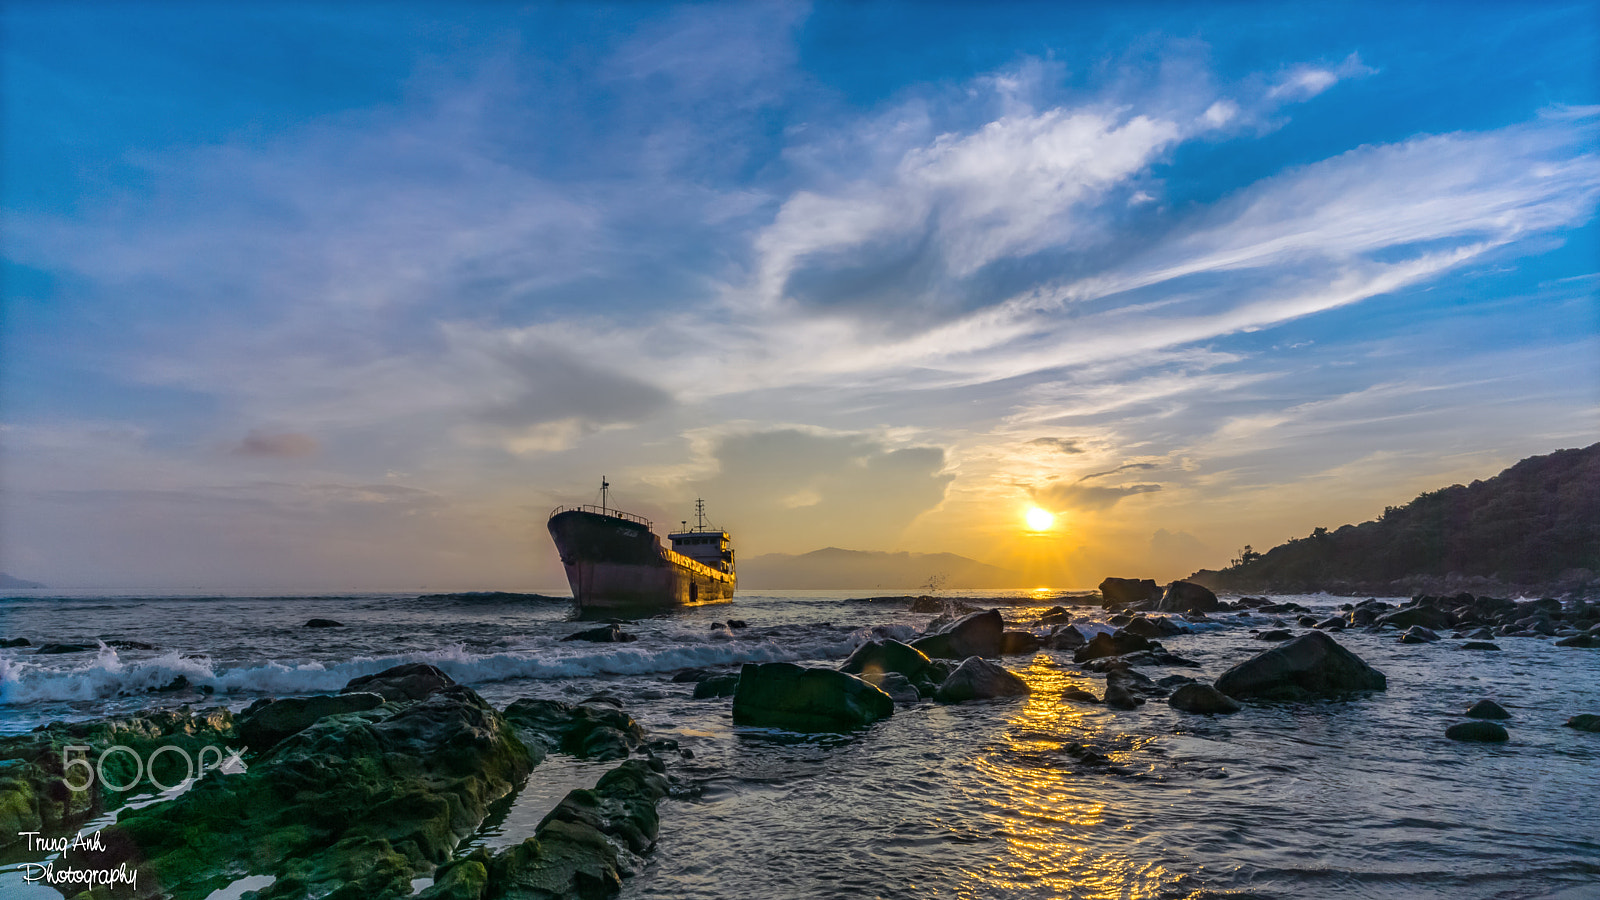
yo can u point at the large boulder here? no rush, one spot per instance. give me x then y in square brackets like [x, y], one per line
[411, 681]
[266, 722]
[1202, 698]
[887, 655]
[978, 679]
[1311, 665]
[1019, 643]
[1115, 644]
[1129, 591]
[784, 695]
[979, 634]
[1188, 597]
[1405, 617]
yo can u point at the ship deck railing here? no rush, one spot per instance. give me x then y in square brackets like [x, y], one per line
[603, 511]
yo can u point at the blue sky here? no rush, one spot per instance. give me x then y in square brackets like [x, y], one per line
[348, 296]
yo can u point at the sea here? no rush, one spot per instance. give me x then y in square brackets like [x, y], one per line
[1361, 798]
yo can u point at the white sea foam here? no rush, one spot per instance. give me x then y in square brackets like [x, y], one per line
[23, 682]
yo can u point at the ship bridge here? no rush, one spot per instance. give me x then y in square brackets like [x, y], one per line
[703, 544]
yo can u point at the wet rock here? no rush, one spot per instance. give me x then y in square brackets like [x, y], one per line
[1087, 756]
[1579, 640]
[128, 645]
[53, 649]
[737, 624]
[899, 688]
[887, 655]
[1115, 644]
[1126, 689]
[605, 634]
[1157, 627]
[978, 679]
[1584, 722]
[1405, 617]
[1487, 709]
[1018, 643]
[1311, 665]
[784, 695]
[978, 634]
[1416, 634]
[1187, 597]
[352, 806]
[1055, 615]
[1202, 698]
[1276, 634]
[716, 686]
[1155, 657]
[1335, 624]
[1079, 695]
[1479, 645]
[690, 676]
[266, 722]
[178, 683]
[409, 681]
[1482, 732]
[588, 730]
[322, 623]
[1129, 591]
[1065, 637]
[1307, 621]
[8, 643]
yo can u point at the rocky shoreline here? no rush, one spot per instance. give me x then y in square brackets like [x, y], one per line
[364, 792]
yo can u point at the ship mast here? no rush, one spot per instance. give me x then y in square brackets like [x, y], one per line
[604, 486]
[699, 515]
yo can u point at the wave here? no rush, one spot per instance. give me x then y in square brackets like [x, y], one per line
[22, 682]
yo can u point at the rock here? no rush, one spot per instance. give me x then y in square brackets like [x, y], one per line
[1018, 643]
[688, 676]
[128, 645]
[899, 688]
[408, 681]
[588, 730]
[1126, 689]
[322, 623]
[52, 649]
[1416, 634]
[1202, 698]
[716, 686]
[1311, 665]
[1483, 732]
[1160, 626]
[1115, 644]
[887, 655]
[605, 634]
[978, 634]
[1585, 722]
[784, 695]
[1079, 695]
[8, 643]
[1405, 617]
[266, 722]
[1154, 657]
[1187, 597]
[1479, 645]
[1055, 615]
[1487, 709]
[738, 623]
[1065, 637]
[351, 806]
[978, 679]
[1276, 634]
[1579, 640]
[178, 683]
[1335, 623]
[1307, 621]
[1129, 591]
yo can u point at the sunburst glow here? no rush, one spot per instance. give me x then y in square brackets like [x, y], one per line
[1040, 519]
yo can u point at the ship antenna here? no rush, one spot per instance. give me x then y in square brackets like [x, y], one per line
[699, 515]
[604, 486]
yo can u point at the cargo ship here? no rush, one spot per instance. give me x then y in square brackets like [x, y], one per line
[615, 560]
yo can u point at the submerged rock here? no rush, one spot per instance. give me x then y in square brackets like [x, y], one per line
[1202, 698]
[266, 722]
[978, 634]
[53, 649]
[1584, 722]
[1276, 634]
[322, 623]
[1482, 732]
[713, 686]
[8, 643]
[978, 679]
[409, 681]
[784, 695]
[1079, 695]
[1312, 665]
[1479, 645]
[1488, 709]
[605, 634]
[1416, 634]
[1580, 640]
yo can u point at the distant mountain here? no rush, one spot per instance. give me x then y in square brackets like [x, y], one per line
[1533, 528]
[836, 569]
[6, 581]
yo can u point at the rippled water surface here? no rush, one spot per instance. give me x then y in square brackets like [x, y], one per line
[1363, 798]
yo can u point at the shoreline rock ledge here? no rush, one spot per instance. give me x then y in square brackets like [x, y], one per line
[1310, 666]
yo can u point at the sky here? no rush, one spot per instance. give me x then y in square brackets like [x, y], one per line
[349, 297]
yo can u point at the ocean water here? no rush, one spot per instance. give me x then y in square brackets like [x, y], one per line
[1357, 799]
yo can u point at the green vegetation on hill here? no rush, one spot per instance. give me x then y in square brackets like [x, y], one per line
[1537, 524]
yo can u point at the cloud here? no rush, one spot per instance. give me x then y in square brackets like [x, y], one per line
[1305, 81]
[286, 445]
[1059, 445]
[1125, 467]
[1084, 497]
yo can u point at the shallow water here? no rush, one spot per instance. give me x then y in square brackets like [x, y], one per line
[1364, 798]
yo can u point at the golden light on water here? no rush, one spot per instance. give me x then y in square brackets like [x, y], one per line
[1039, 519]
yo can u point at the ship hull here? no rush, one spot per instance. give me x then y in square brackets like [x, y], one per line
[614, 563]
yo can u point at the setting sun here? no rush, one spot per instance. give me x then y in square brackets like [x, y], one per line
[1039, 519]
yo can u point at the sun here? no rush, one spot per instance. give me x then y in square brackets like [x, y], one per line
[1040, 519]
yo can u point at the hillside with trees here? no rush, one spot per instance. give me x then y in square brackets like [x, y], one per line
[1534, 528]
